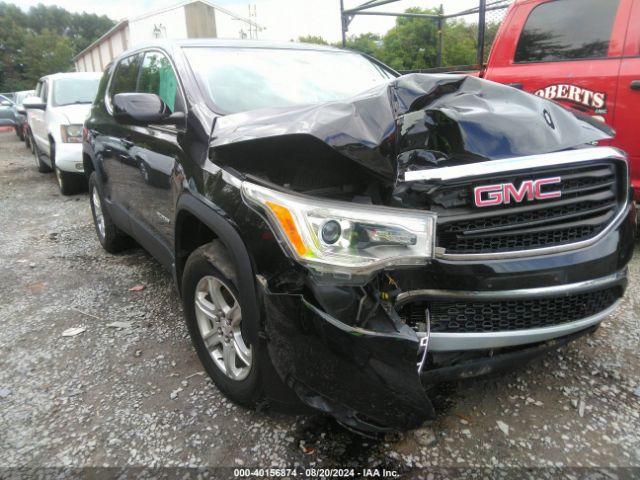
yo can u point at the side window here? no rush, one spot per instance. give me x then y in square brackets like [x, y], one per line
[38, 89]
[157, 76]
[567, 30]
[124, 78]
[45, 91]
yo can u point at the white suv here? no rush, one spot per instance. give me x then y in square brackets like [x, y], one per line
[55, 115]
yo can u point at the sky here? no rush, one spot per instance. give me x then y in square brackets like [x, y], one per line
[283, 19]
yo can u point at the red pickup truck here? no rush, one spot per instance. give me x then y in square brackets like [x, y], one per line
[584, 54]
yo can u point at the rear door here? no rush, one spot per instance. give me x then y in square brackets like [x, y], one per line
[627, 116]
[37, 120]
[565, 50]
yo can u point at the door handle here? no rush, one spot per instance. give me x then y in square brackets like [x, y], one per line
[127, 143]
[635, 85]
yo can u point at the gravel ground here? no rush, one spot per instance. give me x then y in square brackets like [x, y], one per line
[136, 396]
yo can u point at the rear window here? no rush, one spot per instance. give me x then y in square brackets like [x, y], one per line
[567, 30]
[74, 90]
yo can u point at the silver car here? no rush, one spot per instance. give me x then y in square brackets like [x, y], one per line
[7, 116]
[20, 114]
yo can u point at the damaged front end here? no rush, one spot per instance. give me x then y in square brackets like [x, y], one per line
[346, 209]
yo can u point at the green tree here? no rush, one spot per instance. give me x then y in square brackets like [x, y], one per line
[459, 40]
[45, 54]
[369, 43]
[317, 39]
[42, 40]
[412, 43]
[84, 27]
[12, 36]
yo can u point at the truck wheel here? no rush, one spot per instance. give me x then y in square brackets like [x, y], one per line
[112, 239]
[42, 167]
[27, 140]
[214, 317]
[69, 183]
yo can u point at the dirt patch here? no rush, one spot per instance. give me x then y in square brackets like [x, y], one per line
[103, 397]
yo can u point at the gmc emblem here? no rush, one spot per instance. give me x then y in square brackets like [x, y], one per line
[505, 193]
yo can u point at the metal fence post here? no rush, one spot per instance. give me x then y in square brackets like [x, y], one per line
[440, 26]
[482, 8]
[342, 24]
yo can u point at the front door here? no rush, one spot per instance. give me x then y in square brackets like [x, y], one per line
[37, 120]
[568, 51]
[114, 138]
[155, 155]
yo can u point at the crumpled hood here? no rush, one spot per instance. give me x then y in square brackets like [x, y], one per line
[75, 114]
[423, 121]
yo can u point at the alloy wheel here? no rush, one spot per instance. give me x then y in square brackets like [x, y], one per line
[219, 319]
[97, 210]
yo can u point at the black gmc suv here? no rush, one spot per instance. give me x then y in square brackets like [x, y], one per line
[344, 238]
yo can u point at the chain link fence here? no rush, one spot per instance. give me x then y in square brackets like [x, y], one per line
[460, 44]
[459, 37]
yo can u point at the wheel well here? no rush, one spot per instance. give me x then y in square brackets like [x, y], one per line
[191, 233]
[87, 165]
[51, 151]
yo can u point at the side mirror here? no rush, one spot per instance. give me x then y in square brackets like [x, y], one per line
[143, 109]
[34, 103]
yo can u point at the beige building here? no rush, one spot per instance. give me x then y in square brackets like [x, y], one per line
[189, 19]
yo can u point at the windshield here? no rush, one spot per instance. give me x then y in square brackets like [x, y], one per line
[20, 96]
[241, 79]
[67, 91]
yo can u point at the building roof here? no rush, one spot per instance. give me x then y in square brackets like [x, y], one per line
[123, 23]
[116, 28]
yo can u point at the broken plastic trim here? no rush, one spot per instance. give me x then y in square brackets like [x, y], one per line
[424, 342]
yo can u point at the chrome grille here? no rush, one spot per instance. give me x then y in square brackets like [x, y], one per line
[592, 195]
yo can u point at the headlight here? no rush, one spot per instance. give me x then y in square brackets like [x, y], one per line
[344, 239]
[71, 133]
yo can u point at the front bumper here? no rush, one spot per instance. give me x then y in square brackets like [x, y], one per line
[69, 157]
[369, 378]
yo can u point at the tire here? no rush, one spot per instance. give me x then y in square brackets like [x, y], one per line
[112, 239]
[200, 271]
[27, 141]
[21, 135]
[42, 167]
[69, 183]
